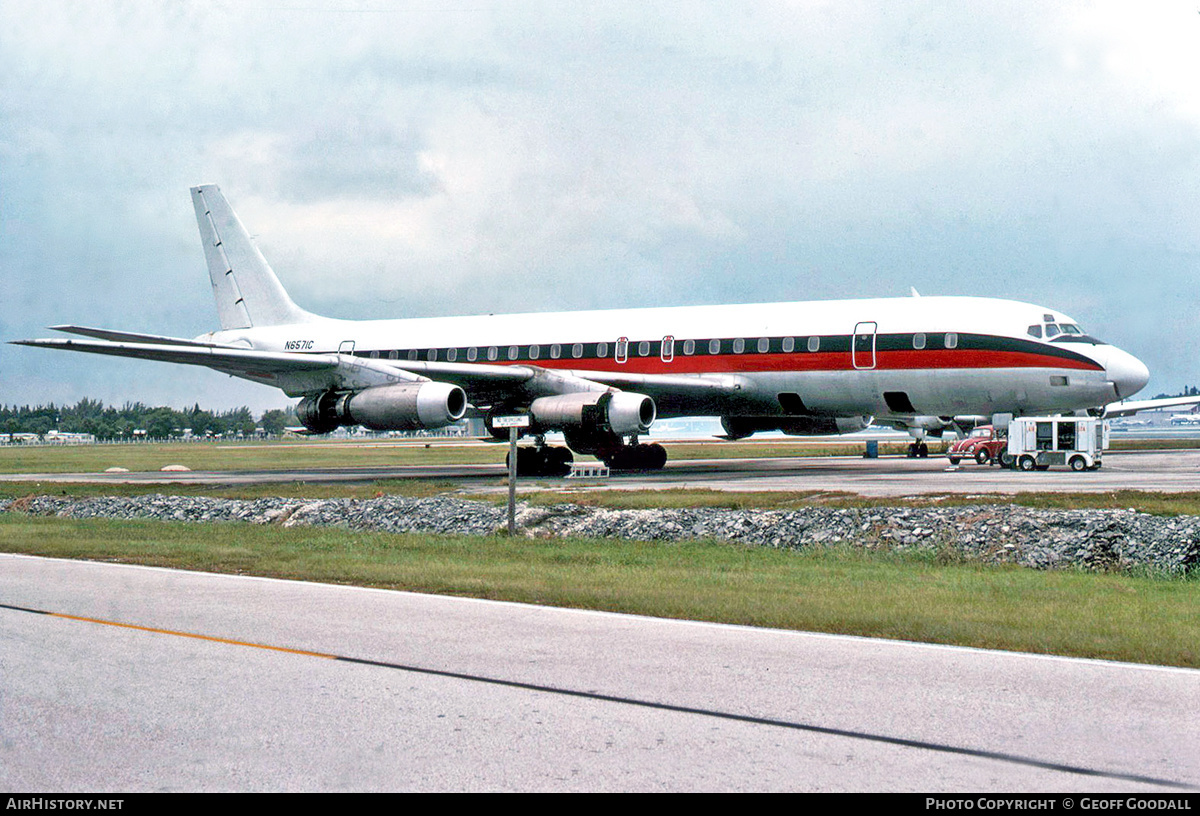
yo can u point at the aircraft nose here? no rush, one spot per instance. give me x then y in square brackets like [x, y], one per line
[1127, 373]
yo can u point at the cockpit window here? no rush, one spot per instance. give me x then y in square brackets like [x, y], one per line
[1051, 330]
[1035, 331]
[1069, 328]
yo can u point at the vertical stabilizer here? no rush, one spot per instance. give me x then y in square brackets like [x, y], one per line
[247, 291]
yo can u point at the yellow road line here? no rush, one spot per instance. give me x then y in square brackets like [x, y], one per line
[192, 635]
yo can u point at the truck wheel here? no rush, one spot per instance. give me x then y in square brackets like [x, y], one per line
[1026, 463]
[1005, 459]
[982, 457]
[1078, 463]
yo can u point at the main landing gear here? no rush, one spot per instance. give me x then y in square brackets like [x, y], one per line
[555, 461]
[543, 460]
[918, 450]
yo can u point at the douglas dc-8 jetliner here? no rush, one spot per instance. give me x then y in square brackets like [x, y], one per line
[921, 364]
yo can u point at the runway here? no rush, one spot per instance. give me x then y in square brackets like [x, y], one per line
[1168, 471]
[121, 678]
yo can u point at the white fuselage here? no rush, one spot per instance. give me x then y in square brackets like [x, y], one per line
[896, 357]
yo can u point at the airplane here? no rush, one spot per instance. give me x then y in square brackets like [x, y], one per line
[919, 364]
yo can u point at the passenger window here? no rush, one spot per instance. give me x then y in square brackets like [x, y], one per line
[1034, 331]
[535, 351]
[689, 347]
[514, 352]
[472, 353]
[577, 350]
[431, 355]
[789, 344]
[493, 352]
[602, 350]
[919, 340]
[764, 345]
[814, 343]
[451, 355]
[643, 348]
[739, 345]
[951, 340]
[555, 351]
[412, 354]
[714, 346]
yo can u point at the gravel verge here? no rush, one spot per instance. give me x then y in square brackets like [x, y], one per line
[1103, 540]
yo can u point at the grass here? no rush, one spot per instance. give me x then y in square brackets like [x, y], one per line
[911, 597]
[324, 453]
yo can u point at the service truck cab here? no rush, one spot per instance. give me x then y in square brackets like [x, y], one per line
[1037, 443]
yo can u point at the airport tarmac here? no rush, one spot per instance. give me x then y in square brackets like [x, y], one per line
[1167, 471]
[124, 678]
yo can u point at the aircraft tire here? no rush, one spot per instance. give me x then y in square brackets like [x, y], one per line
[636, 457]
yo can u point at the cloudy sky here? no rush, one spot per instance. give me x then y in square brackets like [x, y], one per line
[399, 158]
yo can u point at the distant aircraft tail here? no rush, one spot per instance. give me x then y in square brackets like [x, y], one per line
[247, 291]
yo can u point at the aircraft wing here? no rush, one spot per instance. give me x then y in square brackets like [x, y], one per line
[1131, 407]
[488, 383]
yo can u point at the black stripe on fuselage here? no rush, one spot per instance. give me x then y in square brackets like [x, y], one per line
[702, 347]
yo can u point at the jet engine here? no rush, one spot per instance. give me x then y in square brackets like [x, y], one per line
[738, 427]
[592, 419]
[400, 407]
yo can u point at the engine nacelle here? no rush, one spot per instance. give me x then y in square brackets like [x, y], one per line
[593, 418]
[400, 407]
[741, 427]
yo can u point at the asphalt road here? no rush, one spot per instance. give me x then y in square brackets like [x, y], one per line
[1168, 471]
[120, 678]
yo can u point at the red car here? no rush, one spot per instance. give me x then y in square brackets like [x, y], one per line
[983, 445]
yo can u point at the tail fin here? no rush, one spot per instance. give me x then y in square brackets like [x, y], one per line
[247, 291]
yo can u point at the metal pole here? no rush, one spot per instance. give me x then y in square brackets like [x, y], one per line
[512, 480]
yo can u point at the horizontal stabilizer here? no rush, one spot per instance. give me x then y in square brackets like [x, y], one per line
[130, 337]
[296, 374]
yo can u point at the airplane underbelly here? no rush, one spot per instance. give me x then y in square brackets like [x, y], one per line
[937, 392]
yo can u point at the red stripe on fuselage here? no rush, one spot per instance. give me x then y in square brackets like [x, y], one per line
[751, 362]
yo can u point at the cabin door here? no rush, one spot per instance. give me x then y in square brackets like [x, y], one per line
[862, 345]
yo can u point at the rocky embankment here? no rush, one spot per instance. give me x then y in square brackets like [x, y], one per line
[1091, 539]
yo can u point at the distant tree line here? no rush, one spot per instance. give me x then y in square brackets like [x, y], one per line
[91, 416]
[1188, 391]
